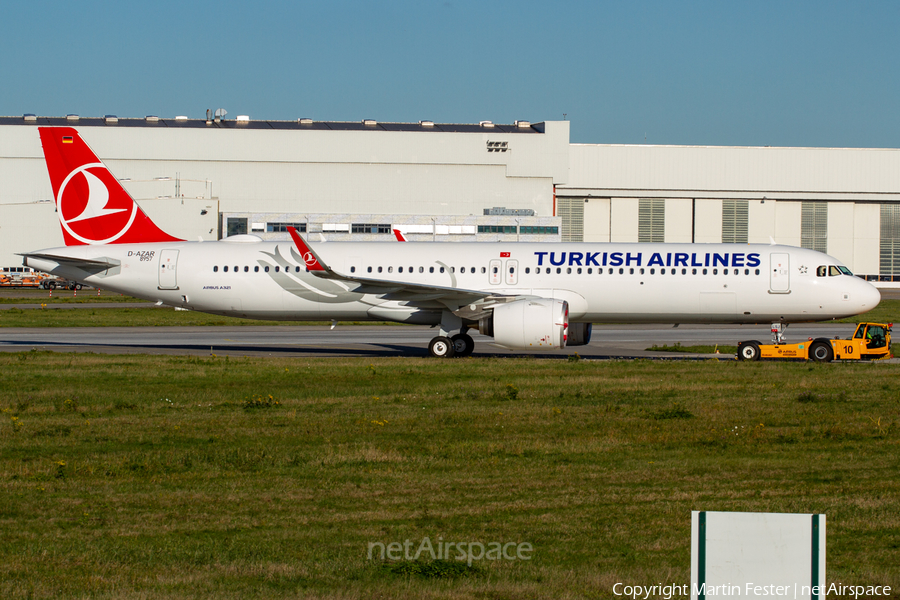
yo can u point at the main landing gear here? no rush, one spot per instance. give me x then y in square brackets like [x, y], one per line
[447, 346]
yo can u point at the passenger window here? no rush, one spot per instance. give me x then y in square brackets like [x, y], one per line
[673, 271]
[225, 268]
[693, 271]
[558, 270]
[267, 269]
[579, 270]
[421, 269]
[653, 271]
[621, 271]
[369, 269]
[527, 270]
[453, 269]
[715, 271]
[472, 270]
[705, 271]
[442, 269]
[569, 270]
[724, 271]
[511, 270]
[483, 270]
[590, 270]
[246, 269]
[411, 270]
[757, 271]
[379, 269]
[256, 269]
[296, 269]
[684, 271]
[431, 269]
[400, 270]
[353, 269]
[746, 271]
[215, 269]
[390, 269]
[277, 269]
[495, 270]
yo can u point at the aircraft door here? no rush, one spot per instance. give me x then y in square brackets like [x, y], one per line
[168, 259]
[512, 272]
[494, 272]
[780, 273]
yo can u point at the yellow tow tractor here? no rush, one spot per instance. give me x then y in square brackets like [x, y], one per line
[871, 341]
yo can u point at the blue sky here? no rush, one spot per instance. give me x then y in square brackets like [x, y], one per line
[785, 73]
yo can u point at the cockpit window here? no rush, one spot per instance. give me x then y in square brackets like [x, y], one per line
[821, 271]
[833, 271]
[845, 270]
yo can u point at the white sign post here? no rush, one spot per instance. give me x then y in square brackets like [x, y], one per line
[757, 555]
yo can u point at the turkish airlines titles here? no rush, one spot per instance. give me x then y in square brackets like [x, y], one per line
[669, 259]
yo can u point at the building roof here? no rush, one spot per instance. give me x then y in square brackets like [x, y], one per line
[299, 124]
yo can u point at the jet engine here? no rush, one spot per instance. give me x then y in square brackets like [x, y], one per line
[579, 334]
[524, 324]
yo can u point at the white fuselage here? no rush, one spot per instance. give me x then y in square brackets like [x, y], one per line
[653, 283]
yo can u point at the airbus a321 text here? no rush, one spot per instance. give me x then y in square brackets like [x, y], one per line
[524, 295]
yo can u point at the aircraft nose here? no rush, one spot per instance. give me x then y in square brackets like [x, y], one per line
[868, 296]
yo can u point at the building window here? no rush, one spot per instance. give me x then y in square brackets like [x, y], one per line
[538, 230]
[370, 228]
[814, 226]
[890, 240]
[651, 220]
[735, 221]
[497, 229]
[283, 227]
[571, 212]
[236, 227]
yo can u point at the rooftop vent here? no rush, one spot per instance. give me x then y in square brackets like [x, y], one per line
[523, 124]
[426, 123]
[111, 119]
[72, 117]
[29, 118]
[305, 121]
[486, 123]
[181, 118]
[152, 119]
[243, 119]
[370, 122]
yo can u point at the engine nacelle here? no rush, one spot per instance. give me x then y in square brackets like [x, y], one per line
[580, 334]
[524, 324]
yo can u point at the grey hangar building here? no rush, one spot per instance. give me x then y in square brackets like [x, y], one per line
[208, 179]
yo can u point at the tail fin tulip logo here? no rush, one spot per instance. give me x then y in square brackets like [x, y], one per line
[86, 210]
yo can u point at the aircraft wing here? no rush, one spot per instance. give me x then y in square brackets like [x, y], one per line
[475, 301]
[85, 264]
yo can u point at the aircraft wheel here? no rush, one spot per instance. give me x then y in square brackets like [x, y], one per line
[78, 286]
[441, 347]
[748, 351]
[821, 352]
[463, 344]
[52, 285]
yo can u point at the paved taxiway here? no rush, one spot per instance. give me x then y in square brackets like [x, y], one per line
[375, 340]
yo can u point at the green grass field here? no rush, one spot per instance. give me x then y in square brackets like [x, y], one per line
[185, 477]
